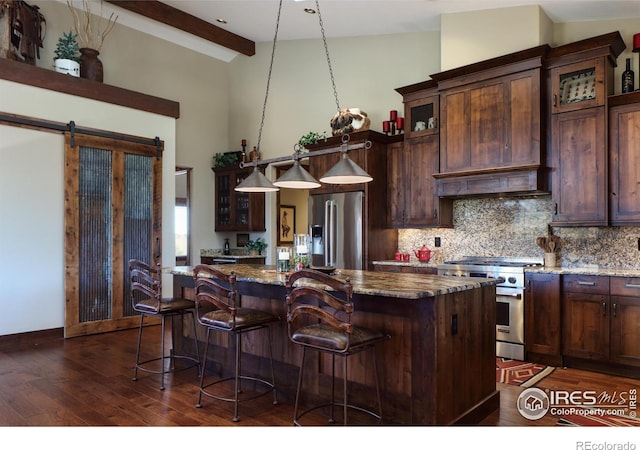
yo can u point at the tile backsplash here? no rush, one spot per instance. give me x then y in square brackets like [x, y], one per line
[508, 227]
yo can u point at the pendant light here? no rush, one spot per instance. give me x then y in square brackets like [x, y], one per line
[345, 172]
[257, 182]
[297, 177]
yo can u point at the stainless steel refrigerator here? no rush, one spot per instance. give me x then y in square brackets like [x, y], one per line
[337, 229]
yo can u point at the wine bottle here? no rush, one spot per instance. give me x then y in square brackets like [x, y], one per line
[227, 249]
[628, 78]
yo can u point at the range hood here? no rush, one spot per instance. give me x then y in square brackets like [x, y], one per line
[493, 125]
[503, 182]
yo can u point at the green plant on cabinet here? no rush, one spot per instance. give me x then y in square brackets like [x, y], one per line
[256, 245]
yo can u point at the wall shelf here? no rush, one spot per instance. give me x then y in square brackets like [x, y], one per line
[23, 73]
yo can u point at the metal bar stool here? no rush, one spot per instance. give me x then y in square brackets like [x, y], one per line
[146, 297]
[319, 320]
[217, 309]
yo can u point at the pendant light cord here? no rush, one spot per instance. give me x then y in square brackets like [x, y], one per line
[273, 53]
[326, 50]
[266, 94]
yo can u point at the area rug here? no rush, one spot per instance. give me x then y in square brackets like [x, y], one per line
[584, 420]
[520, 373]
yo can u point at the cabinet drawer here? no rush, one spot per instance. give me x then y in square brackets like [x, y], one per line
[627, 286]
[586, 283]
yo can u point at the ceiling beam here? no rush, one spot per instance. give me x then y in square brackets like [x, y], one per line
[186, 22]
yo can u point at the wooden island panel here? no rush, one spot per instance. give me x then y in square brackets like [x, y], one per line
[438, 368]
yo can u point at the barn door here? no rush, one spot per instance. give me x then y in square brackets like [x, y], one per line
[112, 214]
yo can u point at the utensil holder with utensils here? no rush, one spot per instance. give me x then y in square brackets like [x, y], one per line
[551, 259]
[551, 246]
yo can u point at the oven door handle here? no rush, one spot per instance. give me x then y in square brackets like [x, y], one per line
[502, 294]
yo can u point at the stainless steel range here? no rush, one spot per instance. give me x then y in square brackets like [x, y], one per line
[509, 295]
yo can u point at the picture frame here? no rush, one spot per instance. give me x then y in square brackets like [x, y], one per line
[286, 224]
[242, 239]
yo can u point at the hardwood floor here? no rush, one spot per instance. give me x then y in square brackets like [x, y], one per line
[46, 380]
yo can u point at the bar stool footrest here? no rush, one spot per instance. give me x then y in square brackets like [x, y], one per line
[254, 394]
[172, 368]
[340, 406]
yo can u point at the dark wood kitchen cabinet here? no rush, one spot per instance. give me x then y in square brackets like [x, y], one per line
[492, 123]
[413, 191]
[586, 321]
[372, 160]
[624, 157]
[491, 126]
[421, 109]
[601, 316]
[543, 325]
[579, 85]
[237, 211]
[580, 188]
[581, 80]
[625, 320]
[413, 195]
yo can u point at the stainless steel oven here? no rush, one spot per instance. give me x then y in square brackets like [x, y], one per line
[509, 272]
[510, 323]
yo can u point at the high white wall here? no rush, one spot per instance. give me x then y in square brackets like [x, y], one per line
[470, 37]
[32, 198]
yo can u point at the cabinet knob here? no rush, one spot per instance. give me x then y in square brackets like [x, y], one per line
[614, 309]
[604, 309]
[555, 99]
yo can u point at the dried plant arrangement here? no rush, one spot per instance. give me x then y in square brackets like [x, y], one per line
[89, 30]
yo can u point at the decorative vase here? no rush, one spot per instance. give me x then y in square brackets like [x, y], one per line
[90, 65]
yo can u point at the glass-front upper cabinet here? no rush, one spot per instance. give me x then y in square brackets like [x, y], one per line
[223, 199]
[578, 85]
[423, 116]
[237, 211]
[421, 108]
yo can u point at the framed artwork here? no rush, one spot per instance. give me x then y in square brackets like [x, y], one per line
[242, 239]
[286, 223]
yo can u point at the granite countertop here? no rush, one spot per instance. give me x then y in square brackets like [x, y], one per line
[611, 272]
[411, 263]
[586, 271]
[397, 285]
[238, 256]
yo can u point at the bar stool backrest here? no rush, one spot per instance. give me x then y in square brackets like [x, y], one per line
[329, 308]
[215, 290]
[146, 286]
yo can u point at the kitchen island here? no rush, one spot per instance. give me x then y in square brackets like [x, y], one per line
[438, 368]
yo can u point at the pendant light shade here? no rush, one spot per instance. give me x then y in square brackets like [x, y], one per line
[297, 177]
[346, 172]
[256, 182]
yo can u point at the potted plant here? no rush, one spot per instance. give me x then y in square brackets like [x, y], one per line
[221, 160]
[311, 138]
[255, 247]
[67, 55]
